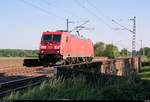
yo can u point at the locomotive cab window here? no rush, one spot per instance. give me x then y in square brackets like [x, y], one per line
[47, 38]
[56, 38]
[51, 38]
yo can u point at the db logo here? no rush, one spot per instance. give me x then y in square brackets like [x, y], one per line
[50, 47]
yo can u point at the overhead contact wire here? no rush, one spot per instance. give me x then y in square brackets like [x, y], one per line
[43, 10]
[90, 12]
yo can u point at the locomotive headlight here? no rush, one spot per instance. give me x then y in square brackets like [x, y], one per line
[57, 47]
[42, 51]
[43, 47]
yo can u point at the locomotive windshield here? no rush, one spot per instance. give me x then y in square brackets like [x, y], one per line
[51, 38]
[47, 38]
[56, 38]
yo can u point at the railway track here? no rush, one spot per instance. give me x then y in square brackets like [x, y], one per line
[9, 82]
[14, 85]
[8, 86]
[13, 78]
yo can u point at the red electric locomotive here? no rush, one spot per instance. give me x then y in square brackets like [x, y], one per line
[64, 48]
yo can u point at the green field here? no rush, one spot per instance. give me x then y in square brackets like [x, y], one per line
[11, 58]
[120, 89]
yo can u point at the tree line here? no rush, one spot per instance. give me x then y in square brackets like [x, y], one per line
[110, 50]
[17, 53]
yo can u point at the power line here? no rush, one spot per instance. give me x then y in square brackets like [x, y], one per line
[133, 34]
[43, 10]
[122, 45]
[93, 14]
[124, 28]
[80, 26]
[98, 10]
[102, 14]
[145, 42]
[67, 20]
[71, 13]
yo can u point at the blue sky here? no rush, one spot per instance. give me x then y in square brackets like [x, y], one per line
[21, 23]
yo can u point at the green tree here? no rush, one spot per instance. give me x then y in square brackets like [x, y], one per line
[99, 49]
[147, 51]
[124, 52]
[111, 51]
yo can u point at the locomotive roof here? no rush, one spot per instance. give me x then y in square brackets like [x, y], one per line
[62, 31]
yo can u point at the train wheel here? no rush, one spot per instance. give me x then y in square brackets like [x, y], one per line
[60, 63]
[45, 64]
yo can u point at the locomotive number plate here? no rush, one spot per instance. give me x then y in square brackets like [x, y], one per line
[50, 47]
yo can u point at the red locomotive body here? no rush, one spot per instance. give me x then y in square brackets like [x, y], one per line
[62, 46]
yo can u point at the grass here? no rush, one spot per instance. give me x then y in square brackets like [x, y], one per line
[57, 89]
[80, 89]
[145, 73]
[11, 58]
[146, 59]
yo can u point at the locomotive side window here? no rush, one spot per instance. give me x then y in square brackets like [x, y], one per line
[47, 38]
[56, 38]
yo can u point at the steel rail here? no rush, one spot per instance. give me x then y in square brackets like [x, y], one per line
[8, 87]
